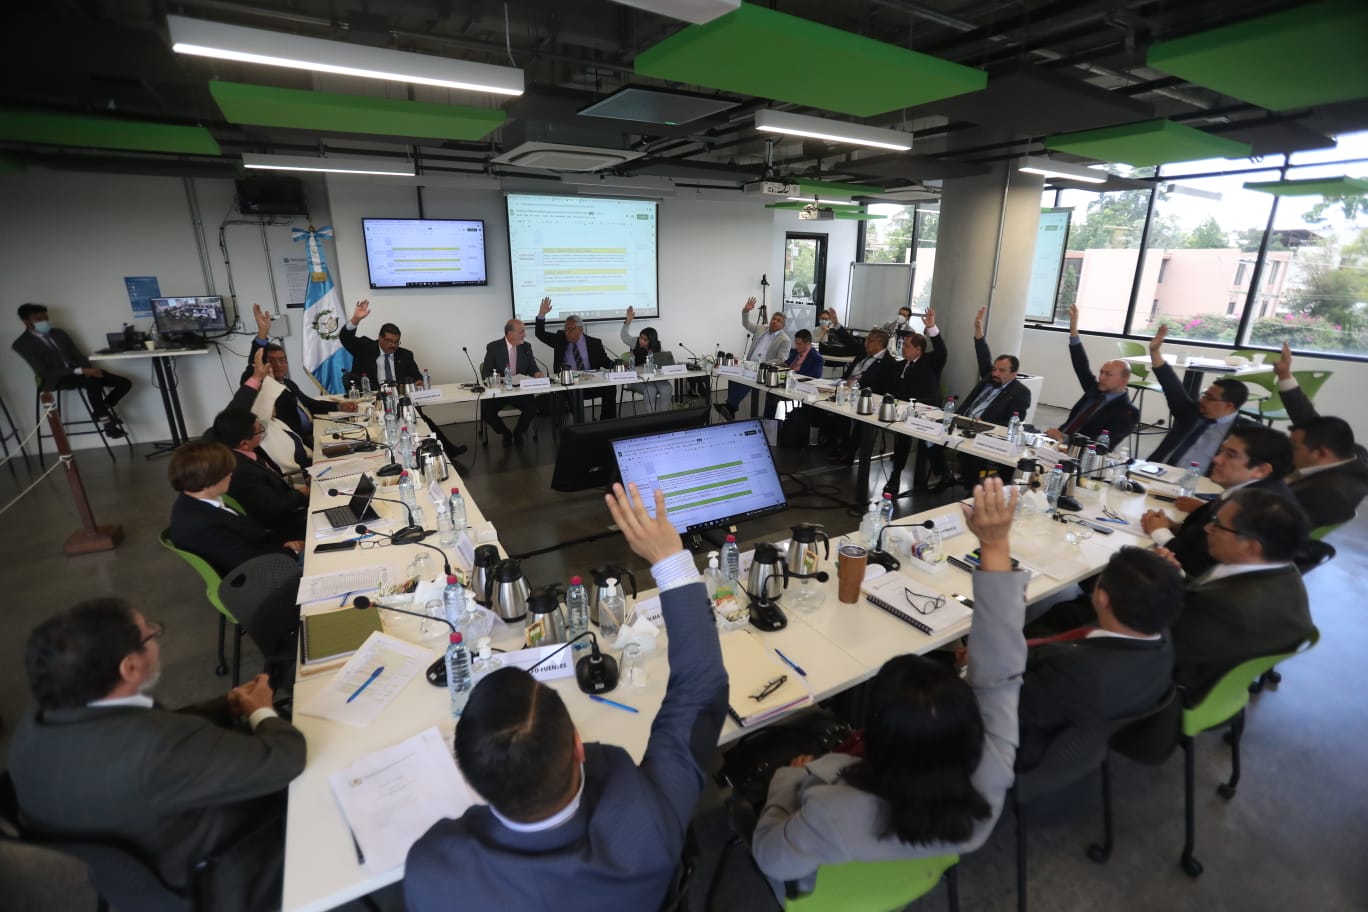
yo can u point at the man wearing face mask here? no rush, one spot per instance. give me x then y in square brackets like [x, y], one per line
[59, 364]
[173, 787]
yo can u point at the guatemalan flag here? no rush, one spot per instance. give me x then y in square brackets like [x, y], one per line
[324, 356]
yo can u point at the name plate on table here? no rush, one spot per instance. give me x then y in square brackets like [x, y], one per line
[673, 368]
[731, 370]
[534, 382]
[622, 377]
[924, 426]
[562, 666]
[997, 446]
[425, 395]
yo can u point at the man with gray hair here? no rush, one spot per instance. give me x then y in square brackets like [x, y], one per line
[572, 347]
[770, 343]
[510, 354]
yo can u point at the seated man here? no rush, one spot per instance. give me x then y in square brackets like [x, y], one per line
[512, 352]
[572, 347]
[200, 522]
[770, 343]
[294, 406]
[381, 359]
[1199, 425]
[576, 826]
[1122, 666]
[1251, 456]
[899, 323]
[804, 360]
[915, 378]
[1104, 406]
[172, 787]
[257, 483]
[59, 364]
[939, 749]
[863, 372]
[996, 397]
[1252, 601]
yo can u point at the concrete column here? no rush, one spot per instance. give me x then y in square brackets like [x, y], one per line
[972, 221]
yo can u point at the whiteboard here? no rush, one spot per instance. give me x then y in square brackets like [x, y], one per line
[1047, 263]
[877, 290]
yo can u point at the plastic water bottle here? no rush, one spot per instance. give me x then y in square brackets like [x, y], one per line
[495, 381]
[1104, 441]
[712, 577]
[508, 381]
[842, 389]
[459, 683]
[1054, 486]
[1116, 467]
[1187, 485]
[650, 364]
[577, 614]
[731, 559]
[872, 524]
[791, 382]
[456, 506]
[453, 601]
[1090, 465]
[886, 508]
[1014, 429]
[365, 386]
[446, 531]
[390, 430]
[948, 422]
[406, 448]
[427, 379]
[352, 392]
[612, 612]
[485, 662]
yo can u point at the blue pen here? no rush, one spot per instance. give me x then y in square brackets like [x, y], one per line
[790, 663]
[322, 473]
[597, 699]
[366, 683]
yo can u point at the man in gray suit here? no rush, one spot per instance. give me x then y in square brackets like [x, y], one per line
[100, 760]
[771, 343]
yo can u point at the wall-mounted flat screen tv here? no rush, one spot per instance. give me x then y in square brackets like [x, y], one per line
[425, 253]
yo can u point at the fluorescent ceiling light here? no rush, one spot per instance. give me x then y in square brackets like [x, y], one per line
[1193, 191]
[333, 164]
[695, 11]
[824, 201]
[832, 130]
[1035, 164]
[249, 45]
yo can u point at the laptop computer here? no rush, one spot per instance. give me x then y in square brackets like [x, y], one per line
[972, 424]
[356, 510]
[663, 358]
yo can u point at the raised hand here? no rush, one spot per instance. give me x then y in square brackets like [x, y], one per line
[1283, 366]
[991, 520]
[1073, 319]
[749, 305]
[361, 312]
[263, 322]
[545, 308]
[631, 315]
[259, 368]
[652, 538]
[978, 322]
[1156, 345]
[929, 318]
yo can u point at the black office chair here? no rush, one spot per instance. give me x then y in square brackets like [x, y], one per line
[260, 593]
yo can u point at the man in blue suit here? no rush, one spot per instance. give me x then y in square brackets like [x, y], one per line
[572, 826]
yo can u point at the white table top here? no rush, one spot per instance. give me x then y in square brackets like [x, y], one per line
[1205, 365]
[147, 353]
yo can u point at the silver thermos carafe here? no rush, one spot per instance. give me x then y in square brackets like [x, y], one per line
[866, 405]
[544, 612]
[486, 557]
[506, 590]
[768, 574]
[888, 410]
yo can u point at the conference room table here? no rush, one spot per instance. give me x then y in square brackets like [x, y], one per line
[164, 374]
[837, 645]
[1196, 369]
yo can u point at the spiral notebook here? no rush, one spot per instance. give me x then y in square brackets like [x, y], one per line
[890, 592]
[335, 634]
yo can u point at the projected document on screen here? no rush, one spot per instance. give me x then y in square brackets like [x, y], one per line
[716, 474]
[591, 256]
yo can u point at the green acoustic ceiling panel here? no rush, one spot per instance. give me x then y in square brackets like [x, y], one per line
[105, 133]
[266, 106]
[810, 187]
[1313, 186]
[757, 51]
[1153, 142]
[1310, 55]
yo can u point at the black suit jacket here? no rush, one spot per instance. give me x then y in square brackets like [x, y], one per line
[365, 353]
[50, 366]
[496, 359]
[1231, 620]
[1117, 417]
[1333, 496]
[267, 497]
[598, 357]
[1189, 543]
[222, 538]
[1015, 397]
[1087, 682]
[906, 380]
[1185, 414]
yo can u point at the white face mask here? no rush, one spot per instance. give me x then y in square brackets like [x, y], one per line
[42, 327]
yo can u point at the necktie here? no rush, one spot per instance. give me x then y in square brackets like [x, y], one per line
[1083, 416]
[389, 370]
[797, 362]
[575, 356]
[512, 359]
[1192, 437]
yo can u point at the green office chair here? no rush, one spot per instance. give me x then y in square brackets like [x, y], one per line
[878, 886]
[232, 503]
[211, 591]
[1272, 409]
[1140, 383]
[1225, 703]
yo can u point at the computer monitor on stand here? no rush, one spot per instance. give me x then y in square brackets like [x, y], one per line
[585, 457]
[189, 318]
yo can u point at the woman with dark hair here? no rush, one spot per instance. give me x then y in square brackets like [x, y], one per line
[939, 750]
[657, 393]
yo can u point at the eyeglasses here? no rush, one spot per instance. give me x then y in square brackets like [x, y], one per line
[1212, 398]
[1224, 528]
[158, 628]
[368, 542]
[923, 604]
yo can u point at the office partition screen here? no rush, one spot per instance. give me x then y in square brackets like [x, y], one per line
[592, 256]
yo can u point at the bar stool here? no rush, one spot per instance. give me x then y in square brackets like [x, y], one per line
[9, 432]
[94, 426]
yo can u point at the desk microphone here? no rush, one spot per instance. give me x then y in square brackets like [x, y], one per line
[387, 471]
[691, 352]
[412, 538]
[596, 673]
[408, 535]
[436, 672]
[475, 387]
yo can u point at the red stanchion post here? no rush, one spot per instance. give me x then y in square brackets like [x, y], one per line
[91, 537]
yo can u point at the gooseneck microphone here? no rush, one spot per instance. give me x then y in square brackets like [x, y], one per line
[436, 672]
[692, 353]
[477, 386]
[337, 435]
[924, 524]
[400, 538]
[385, 471]
[596, 673]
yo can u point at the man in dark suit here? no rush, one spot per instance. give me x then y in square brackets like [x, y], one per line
[200, 522]
[838, 430]
[99, 759]
[573, 826]
[512, 352]
[1252, 601]
[381, 359]
[1090, 676]
[1251, 456]
[59, 364]
[916, 376]
[996, 397]
[1199, 425]
[1104, 406]
[257, 483]
[572, 347]
[293, 406]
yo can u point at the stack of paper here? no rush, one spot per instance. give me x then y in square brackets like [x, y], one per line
[754, 672]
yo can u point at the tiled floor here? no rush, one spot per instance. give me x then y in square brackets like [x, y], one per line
[1292, 838]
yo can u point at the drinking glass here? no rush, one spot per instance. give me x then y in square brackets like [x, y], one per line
[633, 671]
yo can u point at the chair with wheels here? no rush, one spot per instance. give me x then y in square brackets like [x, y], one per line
[212, 582]
[878, 886]
[260, 594]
